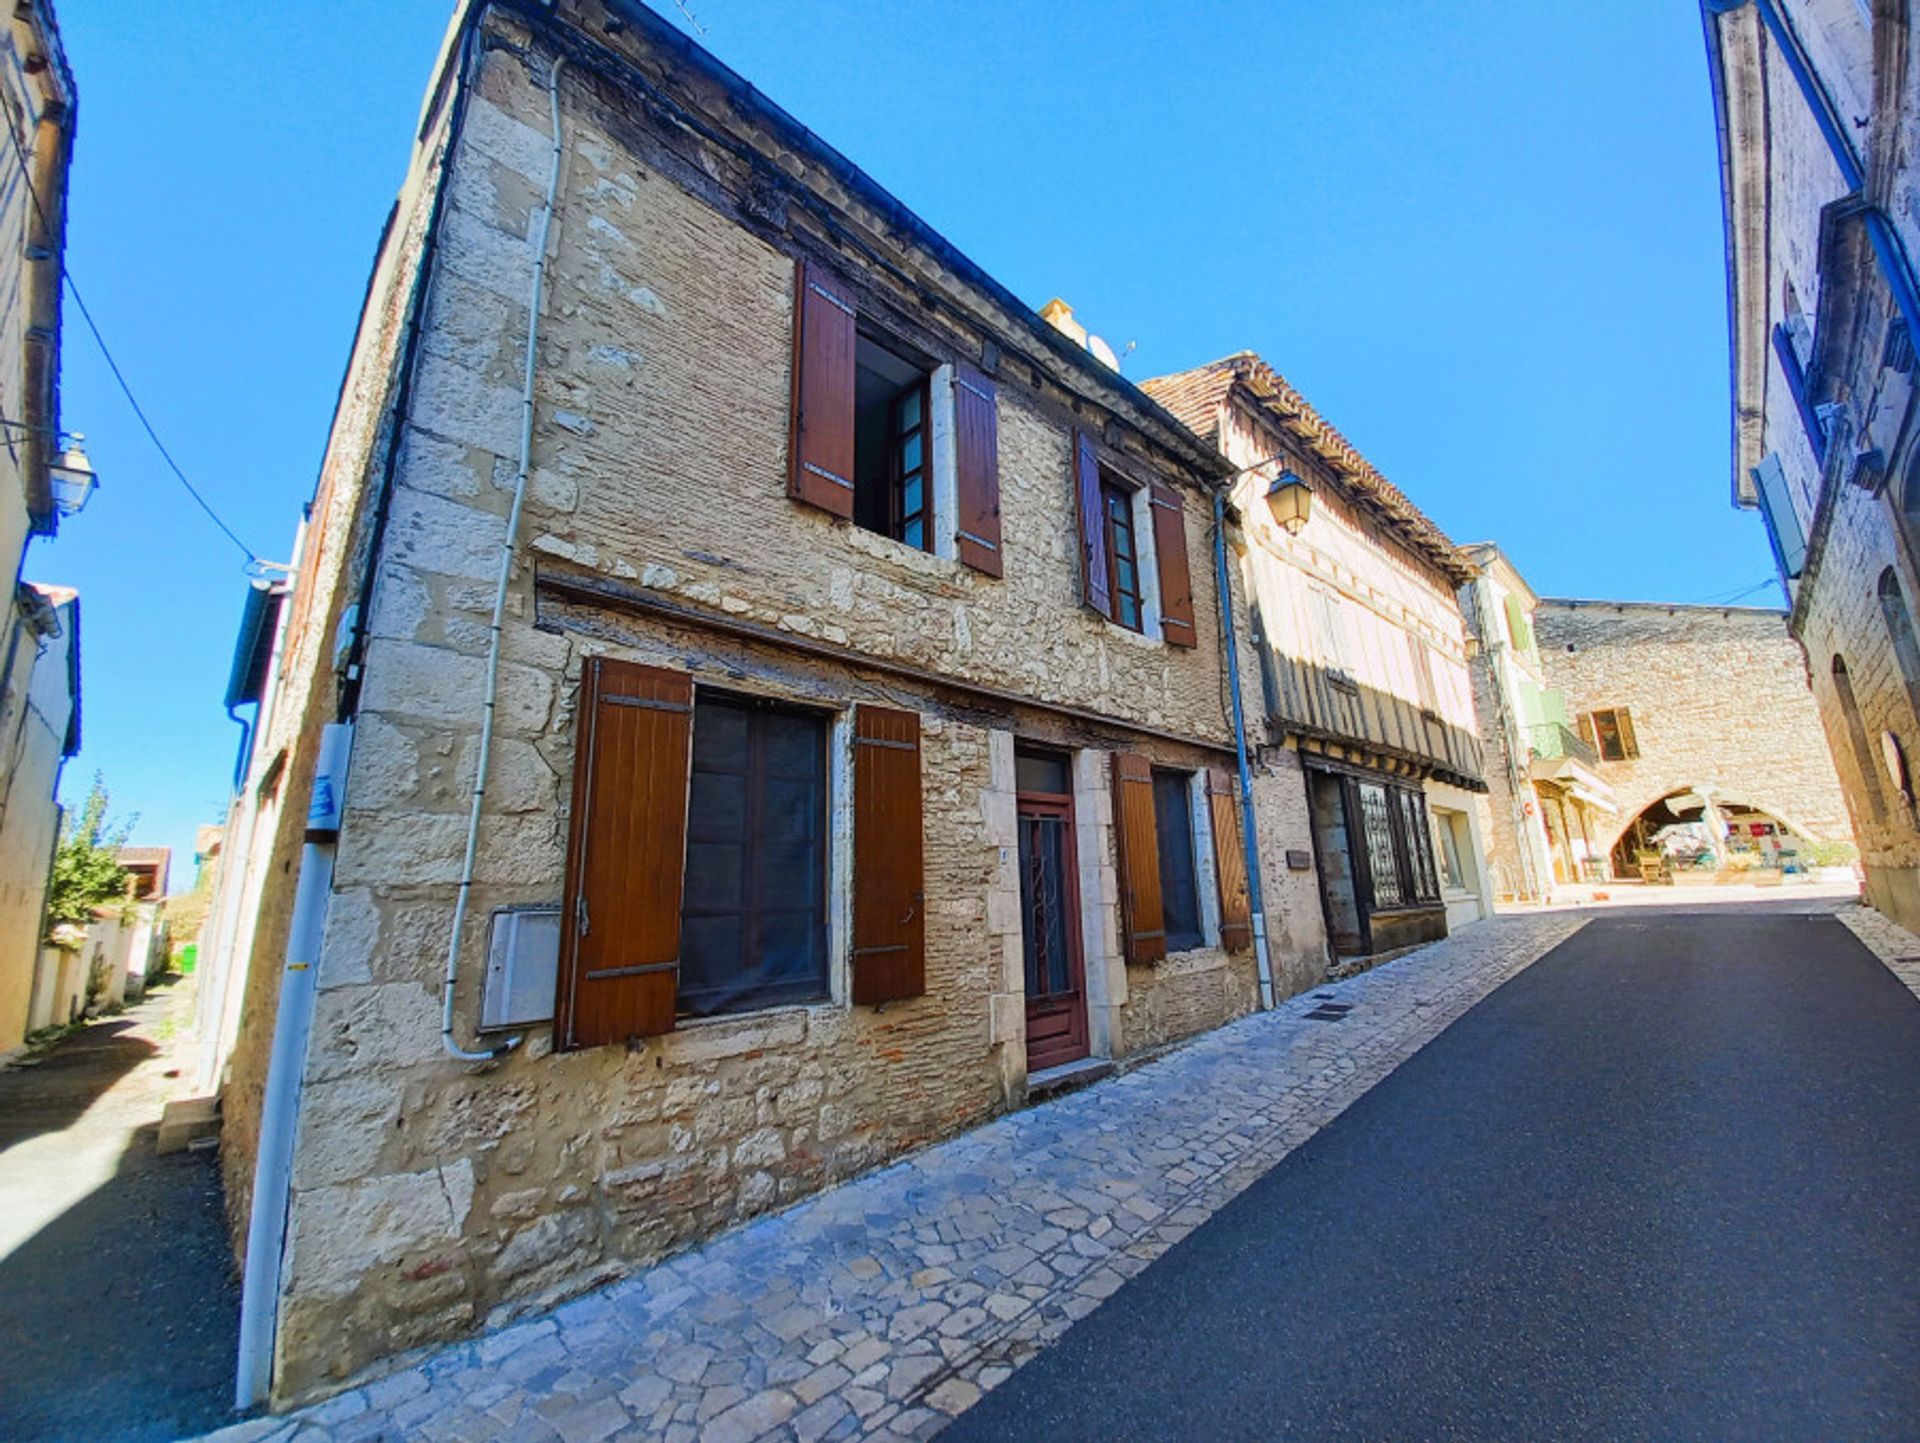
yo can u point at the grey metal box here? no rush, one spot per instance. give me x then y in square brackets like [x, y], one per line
[523, 966]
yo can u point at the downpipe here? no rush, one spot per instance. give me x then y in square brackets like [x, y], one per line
[286, 1064]
[1249, 838]
[489, 703]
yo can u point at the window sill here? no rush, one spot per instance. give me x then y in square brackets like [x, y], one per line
[910, 559]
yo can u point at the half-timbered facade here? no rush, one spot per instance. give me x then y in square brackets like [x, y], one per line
[1363, 663]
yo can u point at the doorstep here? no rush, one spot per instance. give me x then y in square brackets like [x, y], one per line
[1067, 1077]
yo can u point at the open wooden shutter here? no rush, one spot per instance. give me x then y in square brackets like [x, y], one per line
[820, 449]
[1095, 589]
[1229, 863]
[889, 883]
[976, 451]
[626, 855]
[1142, 922]
[1629, 744]
[1587, 732]
[1170, 561]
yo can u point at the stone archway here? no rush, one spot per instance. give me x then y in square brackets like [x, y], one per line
[1680, 806]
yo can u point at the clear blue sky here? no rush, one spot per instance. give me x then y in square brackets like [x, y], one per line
[1483, 238]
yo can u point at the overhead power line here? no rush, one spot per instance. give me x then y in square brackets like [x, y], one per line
[26, 175]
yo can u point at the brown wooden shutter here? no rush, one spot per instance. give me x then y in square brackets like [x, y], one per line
[1588, 733]
[626, 855]
[1095, 589]
[820, 449]
[889, 883]
[1142, 922]
[976, 453]
[1229, 863]
[1170, 561]
[1629, 744]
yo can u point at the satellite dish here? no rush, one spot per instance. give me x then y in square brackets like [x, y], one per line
[1103, 353]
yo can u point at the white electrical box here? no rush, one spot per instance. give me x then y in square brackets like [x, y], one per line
[523, 967]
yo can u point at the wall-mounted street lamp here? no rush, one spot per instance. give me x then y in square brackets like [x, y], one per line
[73, 478]
[70, 476]
[1290, 500]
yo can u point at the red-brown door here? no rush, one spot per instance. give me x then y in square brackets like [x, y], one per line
[1050, 919]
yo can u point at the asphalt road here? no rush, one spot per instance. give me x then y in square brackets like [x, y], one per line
[1663, 1184]
[118, 1310]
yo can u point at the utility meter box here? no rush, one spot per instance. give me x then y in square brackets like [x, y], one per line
[523, 967]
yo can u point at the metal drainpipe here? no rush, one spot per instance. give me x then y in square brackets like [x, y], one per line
[286, 1064]
[1249, 840]
[488, 704]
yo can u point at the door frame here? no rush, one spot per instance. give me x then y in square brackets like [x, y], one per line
[1058, 806]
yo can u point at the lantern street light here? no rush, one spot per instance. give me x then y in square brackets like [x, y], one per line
[73, 478]
[1290, 499]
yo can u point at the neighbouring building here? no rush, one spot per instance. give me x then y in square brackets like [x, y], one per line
[37, 642]
[1818, 115]
[43, 731]
[1703, 729]
[859, 758]
[1369, 715]
[147, 869]
[1550, 808]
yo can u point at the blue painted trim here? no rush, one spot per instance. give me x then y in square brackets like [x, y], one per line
[1839, 143]
[1797, 383]
[1894, 266]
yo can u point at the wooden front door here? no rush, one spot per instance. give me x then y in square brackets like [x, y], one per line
[1050, 918]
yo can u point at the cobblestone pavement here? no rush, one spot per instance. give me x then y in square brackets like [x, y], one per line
[884, 1307]
[1887, 940]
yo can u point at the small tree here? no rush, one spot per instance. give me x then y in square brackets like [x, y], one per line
[85, 874]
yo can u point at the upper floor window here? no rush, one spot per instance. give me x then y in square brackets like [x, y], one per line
[1519, 630]
[887, 440]
[1123, 553]
[1329, 630]
[1609, 731]
[1134, 568]
[892, 446]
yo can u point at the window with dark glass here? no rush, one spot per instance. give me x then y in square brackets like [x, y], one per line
[1612, 734]
[1179, 879]
[753, 905]
[1376, 825]
[892, 446]
[1123, 553]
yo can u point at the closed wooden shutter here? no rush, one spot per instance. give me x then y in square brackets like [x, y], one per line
[820, 451]
[976, 451]
[1629, 744]
[889, 883]
[1170, 561]
[620, 923]
[1229, 863]
[1142, 920]
[1096, 591]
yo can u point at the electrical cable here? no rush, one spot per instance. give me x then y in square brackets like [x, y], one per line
[26, 175]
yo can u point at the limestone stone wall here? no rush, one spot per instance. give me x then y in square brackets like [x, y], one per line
[1841, 618]
[1719, 699]
[430, 1198]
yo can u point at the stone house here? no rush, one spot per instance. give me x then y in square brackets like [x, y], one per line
[1550, 808]
[44, 732]
[788, 701]
[1699, 717]
[1818, 115]
[1370, 725]
[37, 102]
